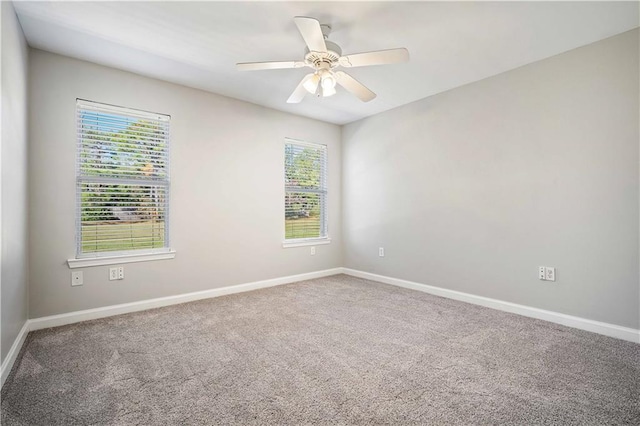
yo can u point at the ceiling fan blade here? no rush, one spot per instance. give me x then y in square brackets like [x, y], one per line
[354, 86]
[300, 91]
[311, 33]
[379, 57]
[255, 66]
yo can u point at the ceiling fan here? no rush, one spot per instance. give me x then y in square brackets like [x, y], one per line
[324, 56]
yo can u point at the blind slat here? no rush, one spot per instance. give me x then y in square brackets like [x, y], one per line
[101, 133]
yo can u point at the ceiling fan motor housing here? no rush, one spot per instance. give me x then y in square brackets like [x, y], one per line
[330, 57]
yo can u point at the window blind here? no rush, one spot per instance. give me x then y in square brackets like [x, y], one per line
[305, 191]
[122, 177]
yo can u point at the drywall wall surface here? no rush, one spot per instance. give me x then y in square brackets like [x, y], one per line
[473, 189]
[14, 275]
[227, 188]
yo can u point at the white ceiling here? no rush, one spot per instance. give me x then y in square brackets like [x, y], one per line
[197, 44]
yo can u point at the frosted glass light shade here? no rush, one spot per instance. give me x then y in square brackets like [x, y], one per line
[311, 85]
[328, 91]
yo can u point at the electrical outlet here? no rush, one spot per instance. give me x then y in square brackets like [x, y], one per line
[121, 273]
[381, 252]
[550, 273]
[77, 278]
[313, 251]
[113, 274]
[546, 273]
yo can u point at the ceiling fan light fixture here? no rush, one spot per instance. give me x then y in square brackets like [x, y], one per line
[311, 85]
[328, 91]
[328, 81]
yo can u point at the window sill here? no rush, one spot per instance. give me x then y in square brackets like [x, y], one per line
[112, 260]
[303, 243]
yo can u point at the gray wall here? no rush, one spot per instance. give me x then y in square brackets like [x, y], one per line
[227, 195]
[470, 190]
[473, 189]
[14, 273]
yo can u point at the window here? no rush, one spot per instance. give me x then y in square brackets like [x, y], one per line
[305, 203]
[122, 177]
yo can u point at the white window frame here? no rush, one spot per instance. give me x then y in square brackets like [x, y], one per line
[125, 256]
[324, 211]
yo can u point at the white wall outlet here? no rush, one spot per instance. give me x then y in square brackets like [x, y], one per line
[546, 273]
[113, 274]
[313, 251]
[121, 273]
[77, 278]
[550, 273]
[381, 252]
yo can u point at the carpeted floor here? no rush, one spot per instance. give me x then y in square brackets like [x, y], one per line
[337, 350]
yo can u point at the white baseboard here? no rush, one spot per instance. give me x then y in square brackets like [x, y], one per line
[125, 308]
[611, 330]
[13, 353]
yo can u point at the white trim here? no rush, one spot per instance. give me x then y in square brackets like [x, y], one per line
[611, 330]
[303, 243]
[304, 143]
[107, 311]
[10, 359]
[115, 109]
[85, 262]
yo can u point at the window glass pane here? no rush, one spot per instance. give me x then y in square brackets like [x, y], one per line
[122, 146]
[122, 217]
[302, 215]
[303, 166]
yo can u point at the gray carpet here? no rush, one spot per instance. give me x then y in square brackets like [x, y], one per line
[337, 350]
